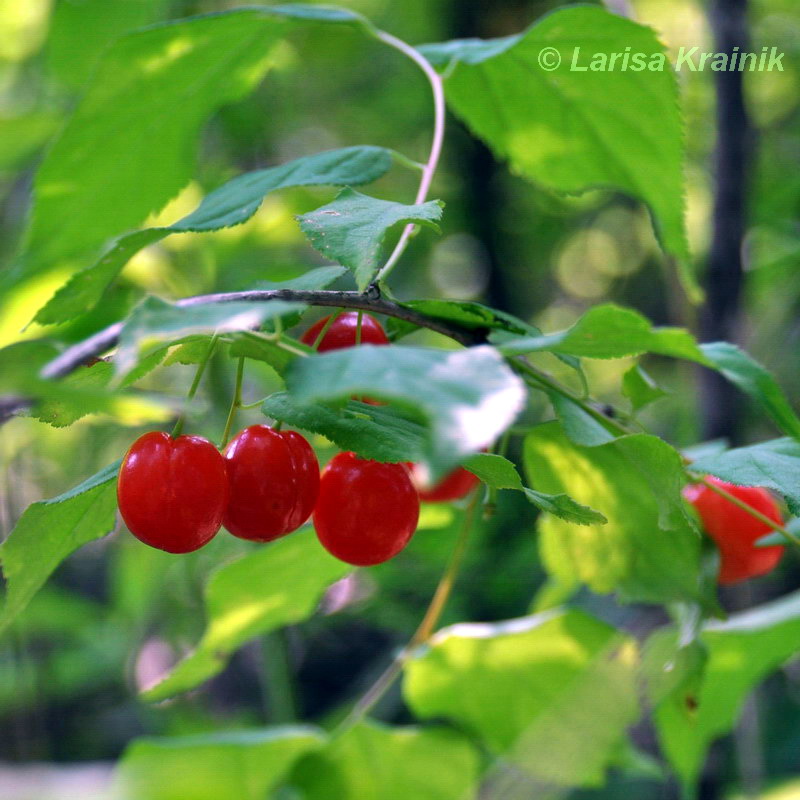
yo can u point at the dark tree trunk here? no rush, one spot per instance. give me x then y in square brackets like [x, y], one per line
[720, 317]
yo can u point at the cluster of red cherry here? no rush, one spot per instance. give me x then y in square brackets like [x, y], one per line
[175, 494]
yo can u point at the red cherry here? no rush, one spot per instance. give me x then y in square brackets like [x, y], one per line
[455, 485]
[367, 511]
[274, 480]
[172, 493]
[734, 530]
[342, 332]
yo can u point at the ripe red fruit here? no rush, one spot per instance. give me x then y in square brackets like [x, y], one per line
[366, 511]
[172, 493]
[455, 485]
[342, 332]
[735, 531]
[274, 480]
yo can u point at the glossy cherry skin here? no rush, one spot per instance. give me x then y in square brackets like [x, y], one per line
[274, 481]
[735, 531]
[455, 485]
[342, 332]
[366, 512]
[172, 493]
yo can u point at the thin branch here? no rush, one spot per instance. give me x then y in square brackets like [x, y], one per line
[429, 169]
[371, 301]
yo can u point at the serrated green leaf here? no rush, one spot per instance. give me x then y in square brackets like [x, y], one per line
[526, 686]
[276, 585]
[742, 651]
[49, 531]
[351, 229]
[640, 388]
[576, 130]
[231, 204]
[499, 473]
[423, 763]
[155, 320]
[467, 397]
[774, 465]
[242, 764]
[61, 412]
[375, 432]
[750, 377]
[609, 331]
[564, 507]
[648, 551]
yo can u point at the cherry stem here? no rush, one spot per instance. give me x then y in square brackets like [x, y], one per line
[776, 526]
[424, 631]
[325, 328]
[201, 368]
[429, 169]
[358, 327]
[236, 403]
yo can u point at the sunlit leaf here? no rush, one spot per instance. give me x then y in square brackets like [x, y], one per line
[648, 551]
[242, 764]
[572, 130]
[609, 331]
[741, 652]
[552, 694]
[276, 585]
[377, 762]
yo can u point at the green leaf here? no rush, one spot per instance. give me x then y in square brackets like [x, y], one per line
[22, 136]
[467, 397]
[375, 432]
[579, 425]
[526, 686]
[49, 531]
[751, 378]
[499, 473]
[311, 281]
[576, 130]
[774, 465]
[231, 204]
[741, 652]
[609, 331]
[61, 412]
[155, 320]
[274, 586]
[80, 32]
[423, 763]
[351, 229]
[241, 764]
[649, 550]
[130, 145]
[640, 388]
[671, 666]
